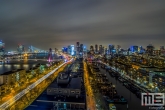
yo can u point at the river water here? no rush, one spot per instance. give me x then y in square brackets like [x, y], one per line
[23, 64]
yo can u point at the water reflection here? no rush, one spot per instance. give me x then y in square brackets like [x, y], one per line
[22, 64]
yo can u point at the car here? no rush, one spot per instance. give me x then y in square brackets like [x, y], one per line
[113, 74]
[122, 99]
[112, 106]
[103, 66]
[110, 71]
[127, 85]
[121, 79]
[107, 68]
[116, 98]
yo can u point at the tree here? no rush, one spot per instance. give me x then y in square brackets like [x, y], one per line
[12, 84]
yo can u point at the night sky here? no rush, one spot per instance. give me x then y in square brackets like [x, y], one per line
[52, 23]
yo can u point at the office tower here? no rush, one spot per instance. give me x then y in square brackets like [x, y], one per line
[92, 49]
[118, 49]
[72, 50]
[150, 49]
[2, 48]
[106, 50]
[20, 48]
[103, 50]
[84, 48]
[134, 48]
[100, 49]
[81, 48]
[96, 48]
[111, 49]
[78, 47]
[141, 49]
[69, 49]
[64, 49]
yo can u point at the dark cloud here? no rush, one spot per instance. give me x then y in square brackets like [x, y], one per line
[59, 23]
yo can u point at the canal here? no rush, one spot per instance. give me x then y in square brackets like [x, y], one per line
[25, 63]
[134, 103]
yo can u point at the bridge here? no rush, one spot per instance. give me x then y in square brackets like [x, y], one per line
[9, 60]
[33, 49]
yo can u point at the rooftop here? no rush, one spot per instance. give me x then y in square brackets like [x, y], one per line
[75, 83]
[11, 72]
[45, 102]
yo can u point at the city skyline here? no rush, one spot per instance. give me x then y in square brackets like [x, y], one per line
[60, 23]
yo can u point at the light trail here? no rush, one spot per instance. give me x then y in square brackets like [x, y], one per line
[11, 101]
[89, 98]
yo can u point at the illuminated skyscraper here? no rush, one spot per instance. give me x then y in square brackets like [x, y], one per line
[111, 49]
[78, 47]
[134, 48]
[106, 50]
[118, 49]
[100, 49]
[20, 48]
[92, 49]
[81, 48]
[64, 49]
[71, 50]
[150, 49]
[2, 48]
[96, 48]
